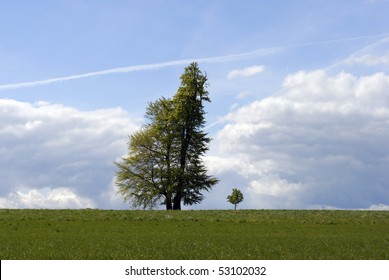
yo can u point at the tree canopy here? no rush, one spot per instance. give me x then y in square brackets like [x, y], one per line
[235, 198]
[165, 157]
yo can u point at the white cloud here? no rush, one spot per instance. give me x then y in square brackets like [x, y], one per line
[379, 207]
[57, 156]
[273, 185]
[59, 198]
[246, 72]
[368, 59]
[321, 141]
[243, 95]
[375, 56]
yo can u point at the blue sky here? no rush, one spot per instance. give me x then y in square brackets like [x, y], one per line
[76, 77]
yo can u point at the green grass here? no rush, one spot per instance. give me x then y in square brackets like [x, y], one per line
[247, 234]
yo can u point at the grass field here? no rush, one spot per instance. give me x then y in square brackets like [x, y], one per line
[245, 234]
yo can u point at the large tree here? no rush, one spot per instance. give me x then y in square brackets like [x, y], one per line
[165, 159]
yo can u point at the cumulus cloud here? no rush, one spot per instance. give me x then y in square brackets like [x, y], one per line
[320, 142]
[54, 156]
[46, 198]
[379, 207]
[246, 72]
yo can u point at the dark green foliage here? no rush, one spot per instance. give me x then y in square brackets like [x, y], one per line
[164, 163]
[248, 234]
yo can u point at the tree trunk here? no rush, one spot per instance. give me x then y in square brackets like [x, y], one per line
[177, 202]
[168, 202]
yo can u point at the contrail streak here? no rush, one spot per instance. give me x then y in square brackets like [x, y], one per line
[155, 66]
[144, 67]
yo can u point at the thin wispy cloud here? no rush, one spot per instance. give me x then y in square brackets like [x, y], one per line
[144, 67]
[369, 60]
[156, 66]
[340, 40]
[93, 74]
[246, 72]
[370, 55]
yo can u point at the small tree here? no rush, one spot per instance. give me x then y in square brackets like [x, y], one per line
[235, 197]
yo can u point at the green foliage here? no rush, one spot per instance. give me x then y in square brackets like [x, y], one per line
[138, 174]
[164, 163]
[243, 234]
[235, 198]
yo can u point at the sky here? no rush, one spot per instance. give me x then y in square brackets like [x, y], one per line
[300, 98]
